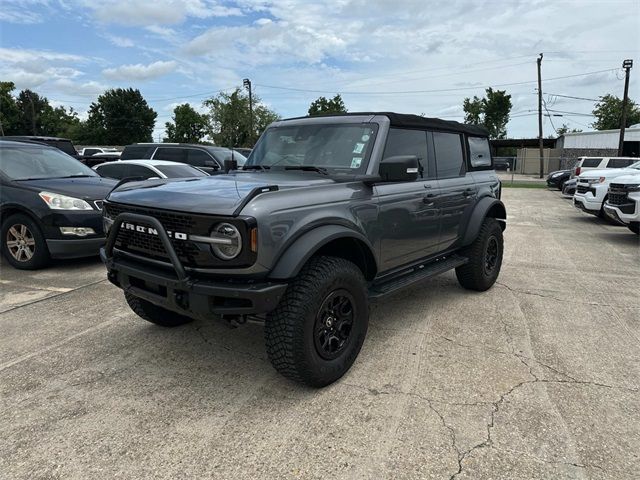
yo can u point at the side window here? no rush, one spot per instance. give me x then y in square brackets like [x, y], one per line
[117, 171]
[449, 157]
[408, 142]
[591, 162]
[198, 158]
[171, 154]
[136, 152]
[141, 171]
[619, 162]
[479, 152]
[91, 151]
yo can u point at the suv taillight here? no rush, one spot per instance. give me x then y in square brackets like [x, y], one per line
[577, 171]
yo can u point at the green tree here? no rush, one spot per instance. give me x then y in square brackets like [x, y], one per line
[119, 117]
[32, 108]
[188, 126]
[327, 106]
[565, 129]
[230, 119]
[608, 113]
[491, 111]
[9, 113]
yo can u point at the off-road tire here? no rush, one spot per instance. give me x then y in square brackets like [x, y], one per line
[37, 244]
[155, 314]
[291, 330]
[474, 274]
[634, 227]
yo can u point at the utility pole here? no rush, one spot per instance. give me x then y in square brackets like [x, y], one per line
[541, 140]
[247, 84]
[627, 64]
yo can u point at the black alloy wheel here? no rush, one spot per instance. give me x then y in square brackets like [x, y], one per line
[334, 322]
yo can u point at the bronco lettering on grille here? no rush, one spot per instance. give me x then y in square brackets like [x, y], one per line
[152, 231]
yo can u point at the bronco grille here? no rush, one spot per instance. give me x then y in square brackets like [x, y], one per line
[191, 254]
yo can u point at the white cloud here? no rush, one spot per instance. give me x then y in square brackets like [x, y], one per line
[118, 41]
[158, 12]
[22, 11]
[140, 71]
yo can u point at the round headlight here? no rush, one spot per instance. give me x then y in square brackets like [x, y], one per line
[227, 242]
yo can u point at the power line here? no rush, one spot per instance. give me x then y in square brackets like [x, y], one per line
[575, 98]
[435, 90]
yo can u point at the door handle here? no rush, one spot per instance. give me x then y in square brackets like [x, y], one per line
[428, 199]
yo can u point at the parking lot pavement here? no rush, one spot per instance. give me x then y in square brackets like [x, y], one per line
[537, 378]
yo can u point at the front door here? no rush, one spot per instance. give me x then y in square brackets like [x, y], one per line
[408, 211]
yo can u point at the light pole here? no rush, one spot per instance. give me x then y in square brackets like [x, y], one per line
[627, 64]
[246, 83]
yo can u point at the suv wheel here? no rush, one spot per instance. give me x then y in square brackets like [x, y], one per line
[634, 227]
[315, 333]
[23, 244]
[485, 258]
[155, 314]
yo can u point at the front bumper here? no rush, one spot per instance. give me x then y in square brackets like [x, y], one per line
[198, 297]
[584, 204]
[75, 248]
[632, 215]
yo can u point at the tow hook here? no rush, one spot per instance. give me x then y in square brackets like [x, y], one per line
[234, 321]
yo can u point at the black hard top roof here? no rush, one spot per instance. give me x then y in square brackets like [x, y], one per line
[35, 138]
[405, 120]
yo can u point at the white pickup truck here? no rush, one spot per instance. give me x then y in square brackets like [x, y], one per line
[623, 201]
[593, 185]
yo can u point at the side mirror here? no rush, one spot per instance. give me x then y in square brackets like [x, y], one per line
[400, 168]
[211, 164]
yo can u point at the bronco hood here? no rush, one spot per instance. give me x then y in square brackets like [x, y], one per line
[215, 195]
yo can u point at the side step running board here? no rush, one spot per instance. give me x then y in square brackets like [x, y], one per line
[416, 274]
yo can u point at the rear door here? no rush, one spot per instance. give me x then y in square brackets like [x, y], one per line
[457, 189]
[408, 217]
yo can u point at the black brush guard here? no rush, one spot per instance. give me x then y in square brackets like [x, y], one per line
[178, 290]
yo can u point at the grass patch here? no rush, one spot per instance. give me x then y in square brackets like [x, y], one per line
[516, 184]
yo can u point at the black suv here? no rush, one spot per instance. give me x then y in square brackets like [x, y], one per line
[327, 214]
[207, 158]
[50, 205]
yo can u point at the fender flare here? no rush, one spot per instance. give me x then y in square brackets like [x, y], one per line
[305, 246]
[488, 206]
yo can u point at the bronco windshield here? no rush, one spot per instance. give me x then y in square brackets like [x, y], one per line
[340, 148]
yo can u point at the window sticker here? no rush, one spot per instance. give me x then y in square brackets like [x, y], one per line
[358, 148]
[365, 138]
[356, 162]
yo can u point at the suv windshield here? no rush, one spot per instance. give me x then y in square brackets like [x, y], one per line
[337, 147]
[28, 163]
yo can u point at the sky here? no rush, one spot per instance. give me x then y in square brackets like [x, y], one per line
[409, 56]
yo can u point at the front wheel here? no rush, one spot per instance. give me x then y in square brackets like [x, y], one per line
[23, 244]
[485, 258]
[315, 333]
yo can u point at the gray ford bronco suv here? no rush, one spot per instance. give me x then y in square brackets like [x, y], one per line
[327, 214]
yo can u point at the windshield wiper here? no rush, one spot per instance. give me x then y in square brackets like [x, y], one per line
[308, 168]
[256, 167]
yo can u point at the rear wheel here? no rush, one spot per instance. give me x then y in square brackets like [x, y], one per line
[23, 244]
[634, 227]
[485, 258]
[319, 326]
[155, 314]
